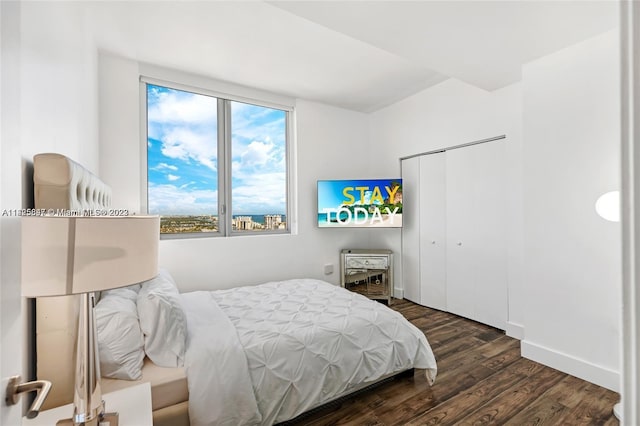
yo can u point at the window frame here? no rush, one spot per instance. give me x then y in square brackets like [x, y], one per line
[224, 144]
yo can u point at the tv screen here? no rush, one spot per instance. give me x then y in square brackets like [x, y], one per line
[360, 203]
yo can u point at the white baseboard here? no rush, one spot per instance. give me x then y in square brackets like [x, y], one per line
[398, 293]
[580, 368]
[515, 330]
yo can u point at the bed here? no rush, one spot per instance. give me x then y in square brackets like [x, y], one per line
[249, 355]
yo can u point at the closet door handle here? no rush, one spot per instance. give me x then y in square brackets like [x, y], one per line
[459, 243]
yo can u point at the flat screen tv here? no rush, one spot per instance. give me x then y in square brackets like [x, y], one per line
[368, 203]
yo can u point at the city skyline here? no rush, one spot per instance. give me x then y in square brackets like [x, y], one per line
[173, 224]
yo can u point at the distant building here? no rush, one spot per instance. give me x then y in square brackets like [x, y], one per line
[243, 223]
[273, 221]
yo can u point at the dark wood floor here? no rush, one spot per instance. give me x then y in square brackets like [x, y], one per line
[482, 380]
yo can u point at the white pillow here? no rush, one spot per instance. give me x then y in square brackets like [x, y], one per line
[120, 340]
[129, 292]
[163, 321]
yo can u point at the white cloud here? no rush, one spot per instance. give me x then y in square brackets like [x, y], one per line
[251, 122]
[258, 157]
[185, 144]
[176, 107]
[262, 193]
[165, 166]
[185, 124]
[257, 154]
[172, 177]
[171, 200]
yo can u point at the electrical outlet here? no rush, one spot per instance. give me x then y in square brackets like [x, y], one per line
[328, 269]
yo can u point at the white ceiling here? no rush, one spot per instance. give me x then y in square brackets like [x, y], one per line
[360, 55]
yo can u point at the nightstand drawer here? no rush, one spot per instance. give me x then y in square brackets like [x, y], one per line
[368, 262]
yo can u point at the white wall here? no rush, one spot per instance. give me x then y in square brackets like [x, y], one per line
[49, 103]
[449, 114]
[119, 91]
[571, 157]
[331, 144]
[58, 84]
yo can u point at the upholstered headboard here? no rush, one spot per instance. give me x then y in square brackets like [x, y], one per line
[60, 185]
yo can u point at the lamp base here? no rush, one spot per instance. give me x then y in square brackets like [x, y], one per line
[108, 419]
[88, 406]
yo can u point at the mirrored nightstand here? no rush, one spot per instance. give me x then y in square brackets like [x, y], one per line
[368, 272]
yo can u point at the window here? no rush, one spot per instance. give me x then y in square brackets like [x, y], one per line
[215, 166]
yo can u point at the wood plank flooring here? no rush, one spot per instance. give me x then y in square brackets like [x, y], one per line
[482, 380]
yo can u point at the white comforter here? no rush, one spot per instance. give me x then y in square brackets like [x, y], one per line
[267, 353]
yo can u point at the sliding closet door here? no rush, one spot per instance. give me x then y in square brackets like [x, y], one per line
[476, 241]
[461, 246]
[411, 228]
[491, 217]
[424, 230]
[433, 195]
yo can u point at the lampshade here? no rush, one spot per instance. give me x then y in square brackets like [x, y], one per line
[608, 206]
[72, 255]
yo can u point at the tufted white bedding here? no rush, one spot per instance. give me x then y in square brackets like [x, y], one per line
[267, 353]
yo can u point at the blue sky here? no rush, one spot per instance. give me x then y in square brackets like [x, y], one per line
[331, 192]
[183, 158]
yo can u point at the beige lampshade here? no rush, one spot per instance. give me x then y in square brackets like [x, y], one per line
[71, 255]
